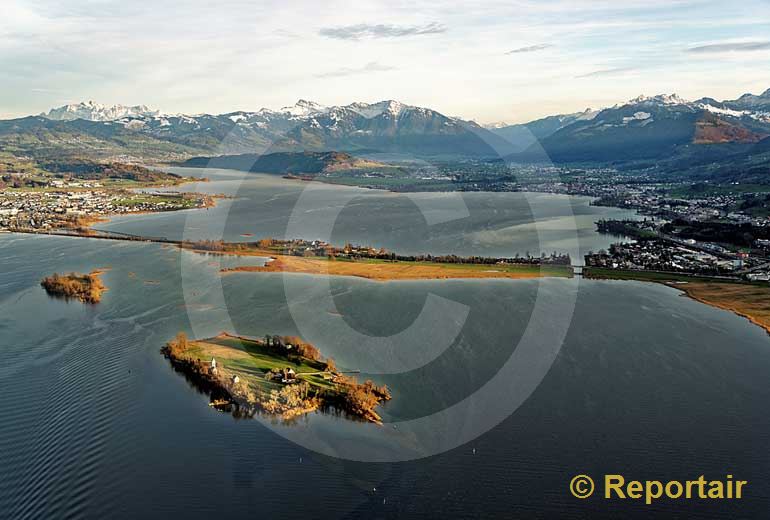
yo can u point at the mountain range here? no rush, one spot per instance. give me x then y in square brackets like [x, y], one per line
[387, 126]
[91, 111]
[645, 128]
[660, 130]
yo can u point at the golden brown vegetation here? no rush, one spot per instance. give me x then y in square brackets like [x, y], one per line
[750, 301]
[361, 400]
[383, 271]
[87, 288]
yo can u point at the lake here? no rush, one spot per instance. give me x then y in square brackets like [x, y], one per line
[609, 377]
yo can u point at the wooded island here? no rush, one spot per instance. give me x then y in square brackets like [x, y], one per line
[281, 375]
[87, 288]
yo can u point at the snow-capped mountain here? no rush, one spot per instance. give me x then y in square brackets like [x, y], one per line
[653, 127]
[394, 108]
[750, 101]
[661, 99]
[303, 108]
[748, 106]
[91, 111]
[386, 126]
[641, 128]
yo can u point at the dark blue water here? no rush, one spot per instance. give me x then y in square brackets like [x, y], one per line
[95, 424]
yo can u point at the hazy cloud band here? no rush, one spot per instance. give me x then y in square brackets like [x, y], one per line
[531, 48]
[361, 31]
[731, 47]
[605, 72]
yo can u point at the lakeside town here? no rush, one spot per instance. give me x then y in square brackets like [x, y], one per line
[720, 232]
[48, 203]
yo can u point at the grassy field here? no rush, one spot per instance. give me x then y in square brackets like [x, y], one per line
[750, 300]
[383, 270]
[251, 360]
[145, 198]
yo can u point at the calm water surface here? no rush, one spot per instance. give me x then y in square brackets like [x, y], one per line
[95, 424]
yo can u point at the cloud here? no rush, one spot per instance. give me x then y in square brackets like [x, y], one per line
[531, 48]
[361, 31]
[605, 72]
[731, 47]
[350, 71]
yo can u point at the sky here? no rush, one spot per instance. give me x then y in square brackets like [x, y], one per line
[486, 60]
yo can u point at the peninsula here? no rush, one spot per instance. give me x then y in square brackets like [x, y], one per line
[277, 375]
[87, 288]
[318, 257]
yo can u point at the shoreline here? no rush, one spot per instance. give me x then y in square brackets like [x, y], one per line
[740, 298]
[689, 292]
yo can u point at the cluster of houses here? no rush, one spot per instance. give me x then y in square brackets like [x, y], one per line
[301, 247]
[650, 200]
[286, 375]
[663, 255]
[28, 209]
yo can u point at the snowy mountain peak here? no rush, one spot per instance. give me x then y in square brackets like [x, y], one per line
[662, 99]
[304, 108]
[92, 111]
[308, 104]
[391, 107]
[497, 125]
[587, 115]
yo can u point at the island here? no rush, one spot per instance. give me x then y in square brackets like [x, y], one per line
[282, 376]
[87, 288]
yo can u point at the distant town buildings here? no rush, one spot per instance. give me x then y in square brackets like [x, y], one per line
[44, 209]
